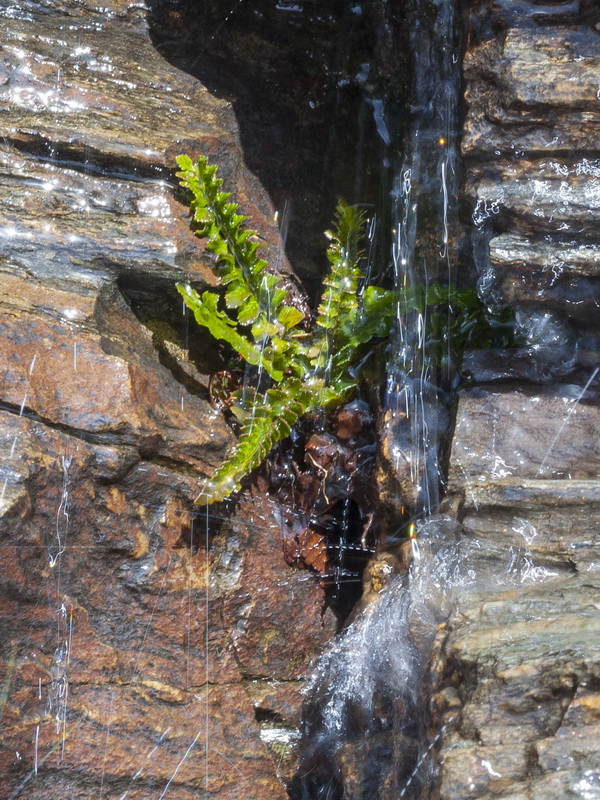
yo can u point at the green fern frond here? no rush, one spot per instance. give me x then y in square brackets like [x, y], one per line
[218, 220]
[222, 327]
[462, 319]
[333, 348]
[257, 297]
[267, 421]
[258, 318]
[340, 296]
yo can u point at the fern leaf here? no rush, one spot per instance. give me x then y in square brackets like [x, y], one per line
[310, 369]
[258, 296]
[222, 327]
[340, 296]
[269, 420]
[337, 313]
[218, 219]
[289, 317]
[463, 320]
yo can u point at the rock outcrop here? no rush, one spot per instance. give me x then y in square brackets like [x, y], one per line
[149, 649]
[517, 666]
[143, 646]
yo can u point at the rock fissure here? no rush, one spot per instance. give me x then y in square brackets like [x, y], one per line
[107, 439]
[86, 160]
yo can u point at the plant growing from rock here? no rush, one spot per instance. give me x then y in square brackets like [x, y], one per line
[300, 364]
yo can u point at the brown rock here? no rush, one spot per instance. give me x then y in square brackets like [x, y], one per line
[124, 623]
[501, 435]
[527, 482]
[476, 771]
[130, 624]
[517, 659]
[188, 743]
[264, 647]
[531, 89]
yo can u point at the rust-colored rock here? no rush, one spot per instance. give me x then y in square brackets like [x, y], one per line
[113, 628]
[143, 649]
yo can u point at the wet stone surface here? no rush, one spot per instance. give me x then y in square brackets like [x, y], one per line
[144, 650]
[137, 650]
[516, 669]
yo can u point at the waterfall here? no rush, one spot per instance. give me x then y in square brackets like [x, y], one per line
[424, 198]
[365, 716]
[365, 728]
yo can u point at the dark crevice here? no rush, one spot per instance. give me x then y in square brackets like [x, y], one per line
[87, 160]
[187, 350]
[114, 440]
[29, 413]
[309, 89]
[268, 716]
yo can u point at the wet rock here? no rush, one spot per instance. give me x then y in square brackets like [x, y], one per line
[530, 88]
[545, 195]
[365, 765]
[524, 435]
[511, 661]
[547, 257]
[470, 770]
[61, 350]
[268, 591]
[519, 660]
[132, 626]
[531, 153]
[109, 650]
[516, 666]
[562, 276]
[114, 115]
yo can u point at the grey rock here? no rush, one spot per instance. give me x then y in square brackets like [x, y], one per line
[531, 89]
[516, 667]
[522, 660]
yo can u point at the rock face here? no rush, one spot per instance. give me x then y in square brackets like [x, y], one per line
[150, 650]
[306, 84]
[517, 667]
[142, 645]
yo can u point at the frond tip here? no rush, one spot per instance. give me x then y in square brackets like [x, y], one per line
[267, 421]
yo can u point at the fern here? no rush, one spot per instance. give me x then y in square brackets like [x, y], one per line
[257, 316]
[268, 420]
[254, 297]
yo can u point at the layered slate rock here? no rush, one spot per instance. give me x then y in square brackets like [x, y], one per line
[517, 667]
[530, 148]
[143, 644]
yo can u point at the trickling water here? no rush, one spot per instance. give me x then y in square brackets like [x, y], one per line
[367, 715]
[366, 725]
[365, 707]
[425, 245]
